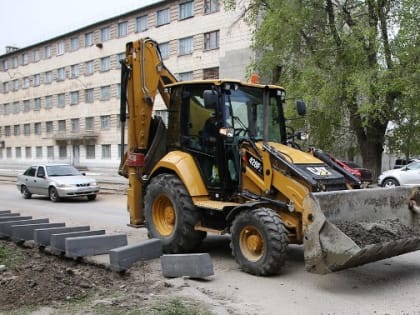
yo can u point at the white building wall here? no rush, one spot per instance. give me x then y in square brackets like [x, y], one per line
[231, 57]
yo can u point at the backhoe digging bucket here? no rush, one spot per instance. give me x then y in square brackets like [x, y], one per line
[354, 227]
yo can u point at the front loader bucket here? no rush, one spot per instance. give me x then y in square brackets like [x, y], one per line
[354, 227]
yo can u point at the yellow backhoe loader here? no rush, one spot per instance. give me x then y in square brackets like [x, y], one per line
[222, 162]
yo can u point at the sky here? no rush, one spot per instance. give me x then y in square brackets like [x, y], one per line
[26, 22]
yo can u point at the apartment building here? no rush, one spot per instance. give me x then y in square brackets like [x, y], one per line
[59, 99]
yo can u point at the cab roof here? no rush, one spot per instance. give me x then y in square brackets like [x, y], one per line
[219, 82]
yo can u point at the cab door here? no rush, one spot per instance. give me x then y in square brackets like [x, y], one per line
[42, 182]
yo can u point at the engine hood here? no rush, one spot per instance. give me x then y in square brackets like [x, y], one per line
[293, 155]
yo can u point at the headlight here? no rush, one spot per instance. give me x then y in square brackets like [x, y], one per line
[92, 183]
[63, 185]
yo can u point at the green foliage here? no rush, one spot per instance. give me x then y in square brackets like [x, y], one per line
[355, 63]
[9, 257]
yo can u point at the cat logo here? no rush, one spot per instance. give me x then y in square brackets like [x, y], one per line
[320, 171]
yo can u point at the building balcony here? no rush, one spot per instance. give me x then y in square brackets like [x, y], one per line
[78, 137]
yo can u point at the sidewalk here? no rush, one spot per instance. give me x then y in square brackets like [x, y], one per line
[108, 180]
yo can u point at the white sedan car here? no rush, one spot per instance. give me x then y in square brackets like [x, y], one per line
[56, 181]
[408, 175]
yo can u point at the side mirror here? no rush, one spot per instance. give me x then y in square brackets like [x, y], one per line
[210, 99]
[301, 107]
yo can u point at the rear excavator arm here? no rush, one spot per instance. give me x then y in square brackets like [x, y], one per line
[143, 74]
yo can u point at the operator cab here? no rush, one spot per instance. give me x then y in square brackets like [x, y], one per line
[217, 118]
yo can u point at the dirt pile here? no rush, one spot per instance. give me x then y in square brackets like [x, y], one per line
[368, 233]
[41, 279]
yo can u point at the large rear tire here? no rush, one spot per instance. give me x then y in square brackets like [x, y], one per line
[259, 241]
[170, 214]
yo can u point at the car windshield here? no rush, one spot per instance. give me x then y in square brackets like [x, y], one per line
[245, 110]
[413, 166]
[62, 170]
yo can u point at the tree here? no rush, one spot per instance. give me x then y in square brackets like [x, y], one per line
[339, 55]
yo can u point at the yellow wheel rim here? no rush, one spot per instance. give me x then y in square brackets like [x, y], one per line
[164, 216]
[251, 243]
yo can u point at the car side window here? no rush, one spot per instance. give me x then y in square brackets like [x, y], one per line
[41, 172]
[30, 171]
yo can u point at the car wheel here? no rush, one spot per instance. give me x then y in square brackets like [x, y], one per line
[390, 182]
[25, 192]
[91, 197]
[53, 194]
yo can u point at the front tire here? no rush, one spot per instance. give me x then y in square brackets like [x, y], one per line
[25, 192]
[53, 194]
[91, 197]
[259, 241]
[390, 183]
[170, 214]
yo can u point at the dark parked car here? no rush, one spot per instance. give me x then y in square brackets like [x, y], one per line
[56, 181]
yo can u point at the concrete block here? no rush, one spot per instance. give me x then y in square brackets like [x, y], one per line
[93, 245]
[42, 237]
[58, 241]
[190, 265]
[121, 258]
[9, 216]
[25, 232]
[5, 211]
[5, 227]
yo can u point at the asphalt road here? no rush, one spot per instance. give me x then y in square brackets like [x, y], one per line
[389, 286]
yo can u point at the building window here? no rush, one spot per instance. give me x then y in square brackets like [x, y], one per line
[119, 90]
[49, 127]
[14, 62]
[106, 151]
[186, 45]
[74, 97]
[89, 121]
[48, 77]
[74, 43]
[36, 55]
[26, 83]
[105, 34]
[61, 126]
[37, 128]
[47, 52]
[16, 130]
[61, 100]
[61, 74]
[75, 125]
[38, 152]
[211, 6]
[26, 106]
[185, 76]
[5, 87]
[48, 102]
[37, 79]
[6, 109]
[27, 129]
[18, 152]
[15, 85]
[74, 71]
[105, 122]
[105, 93]
[28, 152]
[89, 96]
[105, 64]
[60, 48]
[164, 50]
[9, 152]
[211, 40]
[37, 104]
[90, 67]
[162, 17]
[186, 10]
[16, 107]
[90, 151]
[7, 131]
[62, 151]
[122, 29]
[50, 152]
[5, 64]
[120, 57]
[141, 23]
[25, 59]
[88, 39]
